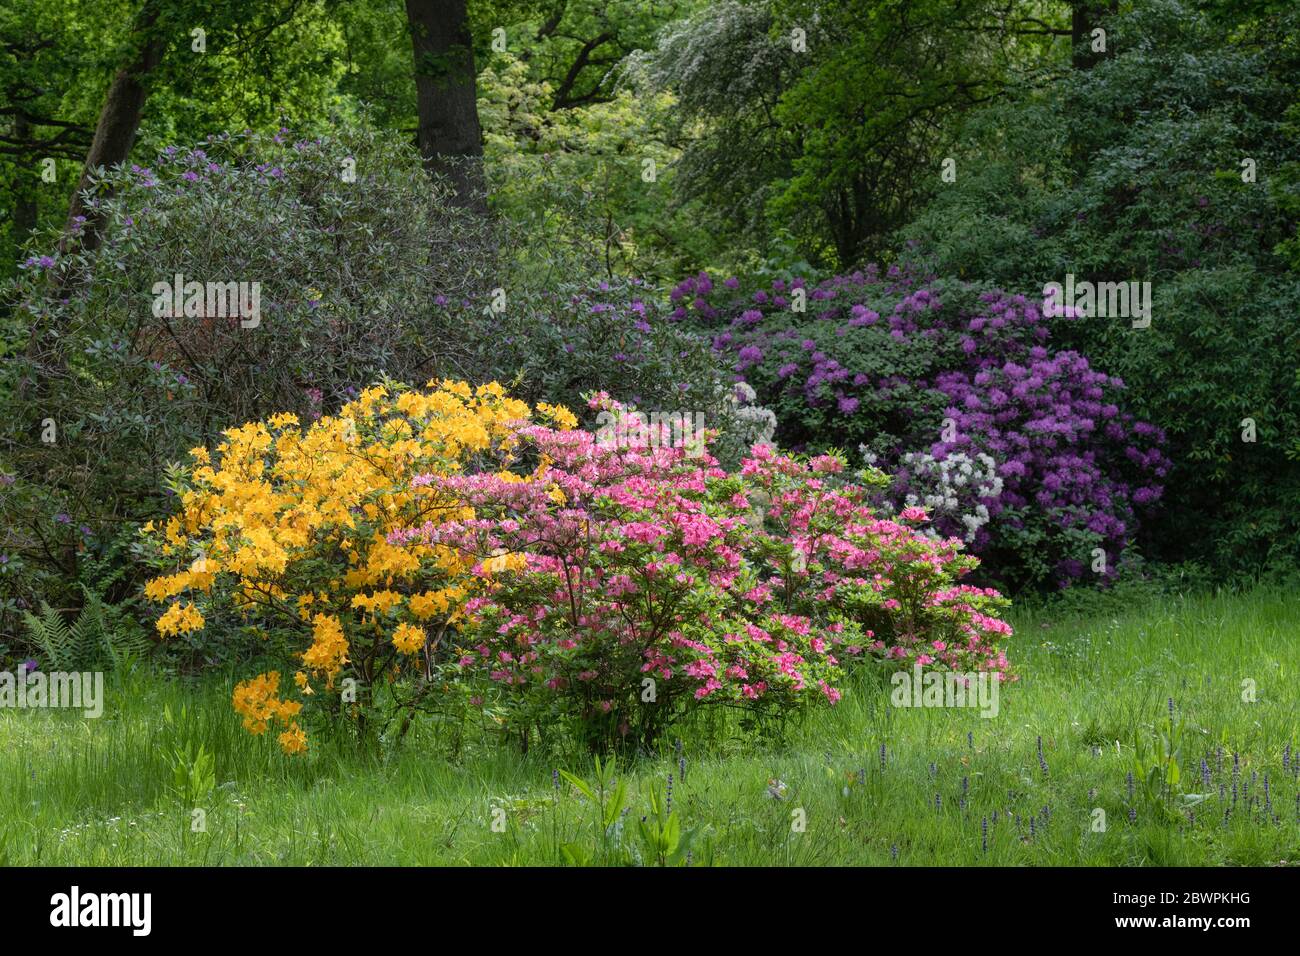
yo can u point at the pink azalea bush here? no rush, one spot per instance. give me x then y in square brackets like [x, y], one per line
[628, 581]
[830, 555]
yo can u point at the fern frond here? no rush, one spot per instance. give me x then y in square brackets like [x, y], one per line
[87, 632]
[52, 635]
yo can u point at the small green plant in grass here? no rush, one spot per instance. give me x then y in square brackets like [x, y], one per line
[662, 836]
[607, 796]
[193, 768]
[1157, 755]
[194, 775]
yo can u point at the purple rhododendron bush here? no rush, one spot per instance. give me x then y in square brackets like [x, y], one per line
[917, 372]
[628, 581]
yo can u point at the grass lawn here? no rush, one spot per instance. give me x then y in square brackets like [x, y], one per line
[101, 792]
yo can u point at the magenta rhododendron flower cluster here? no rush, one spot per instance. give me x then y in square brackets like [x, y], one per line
[905, 364]
[626, 582]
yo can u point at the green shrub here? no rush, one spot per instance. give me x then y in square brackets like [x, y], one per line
[1150, 183]
[348, 243]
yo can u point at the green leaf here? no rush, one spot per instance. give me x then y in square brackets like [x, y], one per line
[575, 854]
[616, 801]
[582, 786]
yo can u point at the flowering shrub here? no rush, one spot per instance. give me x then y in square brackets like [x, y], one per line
[913, 365]
[566, 341]
[615, 587]
[627, 583]
[285, 529]
[957, 491]
[421, 539]
[1153, 203]
[829, 554]
[346, 273]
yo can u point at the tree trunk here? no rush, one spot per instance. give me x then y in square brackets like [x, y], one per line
[24, 186]
[119, 119]
[448, 134]
[1085, 16]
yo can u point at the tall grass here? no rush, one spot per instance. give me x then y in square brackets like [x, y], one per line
[952, 788]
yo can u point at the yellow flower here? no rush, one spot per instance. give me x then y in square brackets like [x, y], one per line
[297, 517]
[255, 700]
[166, 586]
[563, 419]
[293, 740]
[431, 603]
[377, 603]
[329, 650]
[180, 619]
[409, 639]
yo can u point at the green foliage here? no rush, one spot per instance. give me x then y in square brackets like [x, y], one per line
[66, 648]
[261, 63]
[99, 636]
[101, 392]
[663, 840]
[1150, 183]
[561, 343]
[606, 794]
[591, 183]
[1157, 752]
[194, 776]
[829, 122]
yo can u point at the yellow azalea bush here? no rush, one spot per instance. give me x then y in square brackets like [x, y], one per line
[285, 528]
